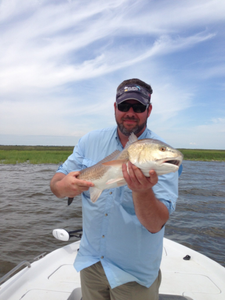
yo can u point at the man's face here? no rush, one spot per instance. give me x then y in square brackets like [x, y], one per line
[130, 121]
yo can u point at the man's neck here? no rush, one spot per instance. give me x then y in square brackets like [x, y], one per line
[124, 138]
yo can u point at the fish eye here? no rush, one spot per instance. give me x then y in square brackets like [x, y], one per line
[162, 149]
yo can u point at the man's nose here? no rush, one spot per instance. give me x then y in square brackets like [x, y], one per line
[131, 111]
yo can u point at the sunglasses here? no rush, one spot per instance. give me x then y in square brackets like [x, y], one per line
[137, 108]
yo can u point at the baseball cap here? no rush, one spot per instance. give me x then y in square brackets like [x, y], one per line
[133, 92]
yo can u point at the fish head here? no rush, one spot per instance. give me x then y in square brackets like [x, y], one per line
[152, 154]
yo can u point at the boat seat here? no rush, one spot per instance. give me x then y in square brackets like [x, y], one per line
[76, 295]
[173, 297]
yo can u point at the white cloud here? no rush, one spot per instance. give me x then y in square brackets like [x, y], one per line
[208, 136]
[50, 49]
[29, 71]
[215, 126]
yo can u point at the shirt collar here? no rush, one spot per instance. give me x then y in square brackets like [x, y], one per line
[144, 134]
[118, 139]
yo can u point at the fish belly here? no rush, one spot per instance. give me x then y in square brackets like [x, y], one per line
[112, 178]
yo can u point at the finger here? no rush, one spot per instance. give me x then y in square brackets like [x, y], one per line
[131, 169]
[137, 175]
[75, 173]
[81, 183]
[82, 189]
[125, 174]
[153, 177]
[84, 183]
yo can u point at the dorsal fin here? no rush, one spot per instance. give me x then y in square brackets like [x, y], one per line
[132, 138]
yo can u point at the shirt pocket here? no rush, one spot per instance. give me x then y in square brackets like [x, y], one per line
[126, 201]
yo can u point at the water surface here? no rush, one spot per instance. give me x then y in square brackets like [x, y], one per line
[29, 212]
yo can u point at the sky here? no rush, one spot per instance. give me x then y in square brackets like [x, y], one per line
[61, 62]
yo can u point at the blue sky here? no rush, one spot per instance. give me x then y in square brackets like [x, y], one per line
[61, 62]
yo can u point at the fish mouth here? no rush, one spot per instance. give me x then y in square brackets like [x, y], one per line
[175, 162]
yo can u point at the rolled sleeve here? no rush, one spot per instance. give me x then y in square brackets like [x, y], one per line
[74, 162]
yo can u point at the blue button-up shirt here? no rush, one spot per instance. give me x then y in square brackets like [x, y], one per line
[112, 232]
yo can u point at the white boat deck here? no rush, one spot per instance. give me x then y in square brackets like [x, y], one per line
[199, 278]
[54, 277]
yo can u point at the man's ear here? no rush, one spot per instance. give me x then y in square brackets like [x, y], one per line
[149, 110]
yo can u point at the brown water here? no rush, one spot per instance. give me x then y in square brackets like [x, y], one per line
[29, 212]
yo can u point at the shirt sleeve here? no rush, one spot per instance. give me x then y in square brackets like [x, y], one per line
[166, 190]
[75, 161]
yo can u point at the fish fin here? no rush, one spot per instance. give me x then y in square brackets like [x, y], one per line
[94, 193]
[132, 138]
[110, 157]
[110, 181]
[115, 163]
[121, 182]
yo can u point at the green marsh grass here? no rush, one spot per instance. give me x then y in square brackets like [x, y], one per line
[34, 154]
[57, 155]
[203, 155]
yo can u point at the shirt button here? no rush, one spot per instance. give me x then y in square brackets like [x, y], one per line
[110, 193]
[102, 257]
[106, 215]
[103, 236]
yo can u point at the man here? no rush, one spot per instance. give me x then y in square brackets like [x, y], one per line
[121, 247]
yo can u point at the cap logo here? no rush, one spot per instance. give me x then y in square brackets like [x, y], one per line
[131, 88]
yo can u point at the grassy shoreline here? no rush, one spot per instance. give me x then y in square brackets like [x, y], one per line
[58, 154]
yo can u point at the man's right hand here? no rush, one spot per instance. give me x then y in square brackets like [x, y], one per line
[68, 185]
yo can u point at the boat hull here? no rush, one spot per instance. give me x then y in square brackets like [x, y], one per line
[54, 277]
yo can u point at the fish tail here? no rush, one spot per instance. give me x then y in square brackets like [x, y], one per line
[70, 200]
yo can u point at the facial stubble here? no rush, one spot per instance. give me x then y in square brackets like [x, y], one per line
[136, 130]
